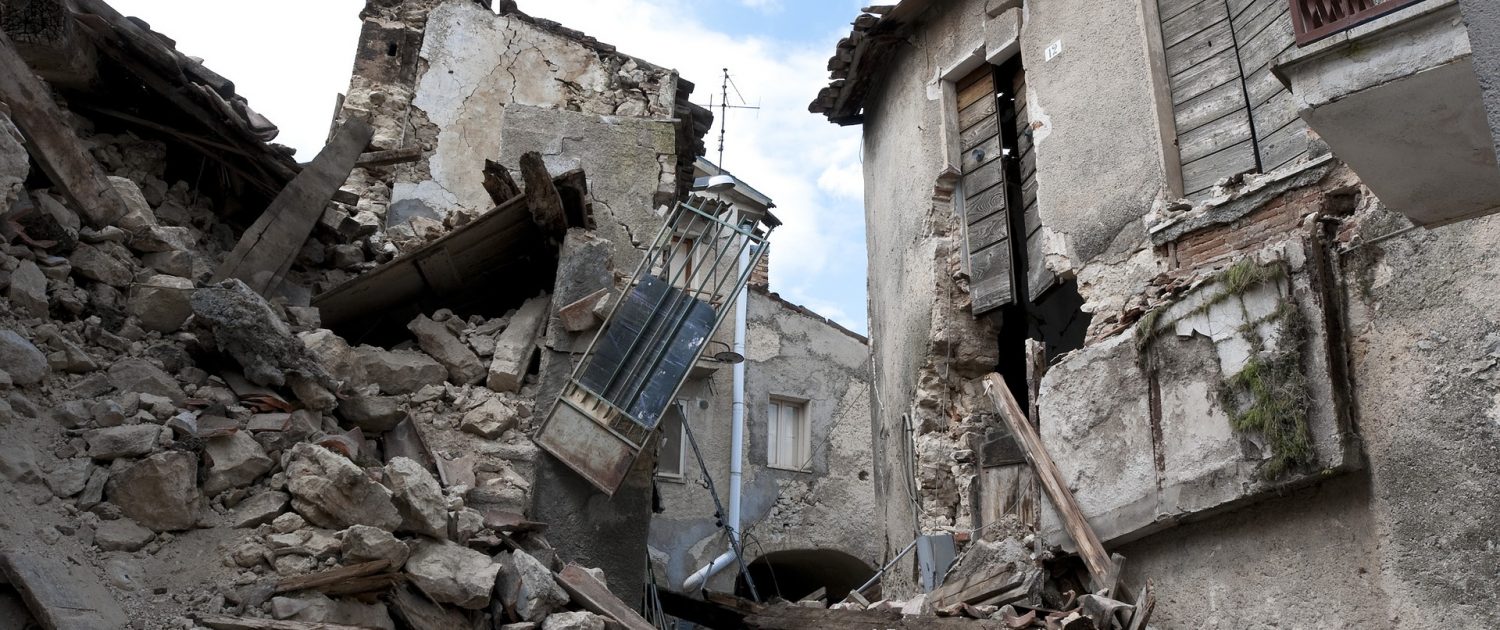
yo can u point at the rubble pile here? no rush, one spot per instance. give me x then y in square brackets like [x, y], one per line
[1014, 583]
[160, 423]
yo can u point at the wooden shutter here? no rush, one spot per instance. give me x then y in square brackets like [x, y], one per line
[1232, 114]
[987, 237]
[1038, 278]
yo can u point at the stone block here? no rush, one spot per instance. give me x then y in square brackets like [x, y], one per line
[516, 345]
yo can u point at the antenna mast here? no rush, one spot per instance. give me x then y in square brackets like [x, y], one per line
[724, 108]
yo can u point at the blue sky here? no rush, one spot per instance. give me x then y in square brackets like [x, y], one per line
[776, 50]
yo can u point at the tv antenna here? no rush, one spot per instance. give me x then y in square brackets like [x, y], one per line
[724, 108]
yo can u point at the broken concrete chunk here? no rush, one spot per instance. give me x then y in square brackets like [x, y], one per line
[138, 376]
[363, 543]
[528, 586]
[335, 355]
[234, 461]
[333, 492]
[20, 359]
[112, 443]
[248, 329]
[490, 419]
[17, 465]
[69, 477]
[580, 316]
[95, 264]
[464, 367]
[317, 609]
[400, 372]
[160, 491]
[138, 215]
[418, 497]
[515, 347]
[28, 289]
[161, 302]
[260, 509]
[372, 414]
[575, 620]
[122, 534]
[452, 574]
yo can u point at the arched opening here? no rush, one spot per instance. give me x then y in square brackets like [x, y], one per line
[793, 575]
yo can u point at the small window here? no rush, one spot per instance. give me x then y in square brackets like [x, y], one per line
[670, 459]
[788, 439]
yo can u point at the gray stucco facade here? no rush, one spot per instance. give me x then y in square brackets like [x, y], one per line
[1384, 525]
[795, 355]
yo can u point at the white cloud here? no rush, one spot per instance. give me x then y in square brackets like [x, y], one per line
[767, 6]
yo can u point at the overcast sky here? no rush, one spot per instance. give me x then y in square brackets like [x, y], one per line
[291, 58]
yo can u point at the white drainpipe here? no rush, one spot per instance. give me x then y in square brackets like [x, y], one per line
[736, 436]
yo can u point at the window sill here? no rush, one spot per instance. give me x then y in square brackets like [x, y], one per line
[799, 470]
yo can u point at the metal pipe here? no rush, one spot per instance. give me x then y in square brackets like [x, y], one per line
[737, 425]
[888, 565]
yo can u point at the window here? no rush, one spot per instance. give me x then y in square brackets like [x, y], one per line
[1003, 233]
[670, 456]
[1232, 114]
[788, 440]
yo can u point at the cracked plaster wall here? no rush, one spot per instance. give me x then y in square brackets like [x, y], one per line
[451, 97]
[790, 354]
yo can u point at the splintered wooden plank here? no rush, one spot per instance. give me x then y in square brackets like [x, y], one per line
[498, 182]
[1144, 604]
[52, 143]
[331, 577]
[975, 588]
[389, 157]
[1098, 561]
[60, 594]
[266, 251]
[546, 204]
[595, 596]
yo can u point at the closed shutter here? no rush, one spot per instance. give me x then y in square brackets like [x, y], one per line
[987, 237]
[1233, 116]
[1038, 278]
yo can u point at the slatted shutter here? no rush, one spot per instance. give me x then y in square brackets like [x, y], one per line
[984, 193]
[1038, 278]
[1233, 116]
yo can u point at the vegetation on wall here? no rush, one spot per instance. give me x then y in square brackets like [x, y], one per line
[1269, 395]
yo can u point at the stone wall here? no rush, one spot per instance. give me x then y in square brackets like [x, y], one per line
[790, 353]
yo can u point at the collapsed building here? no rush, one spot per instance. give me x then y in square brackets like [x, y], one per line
[243, 392]
[1232, 261]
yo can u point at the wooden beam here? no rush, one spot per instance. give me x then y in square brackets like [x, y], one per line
[52, 143]
[60, 594]
[1089, 548]
[541, 195]
[334, 576]
[266, 250]
[498, 183]
[387, 158]
[594, 596]
[1144, 604]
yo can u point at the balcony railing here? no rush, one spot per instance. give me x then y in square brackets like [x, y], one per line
[1316, 19]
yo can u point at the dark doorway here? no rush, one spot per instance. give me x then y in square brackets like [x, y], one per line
[793, 575]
